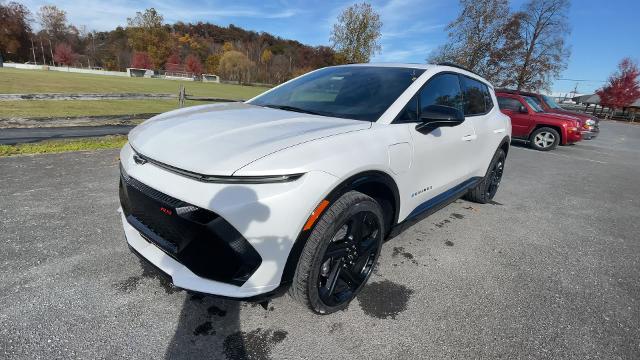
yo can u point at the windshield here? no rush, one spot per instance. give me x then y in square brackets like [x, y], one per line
[351, 92]
[533, 104]
[551, 103]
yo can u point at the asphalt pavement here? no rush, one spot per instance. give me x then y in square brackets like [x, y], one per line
[550, 269]
[26, 135]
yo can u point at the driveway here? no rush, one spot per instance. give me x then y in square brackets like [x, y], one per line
[550, 269]
[26, 135]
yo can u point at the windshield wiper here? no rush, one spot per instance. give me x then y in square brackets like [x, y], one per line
[293, 108]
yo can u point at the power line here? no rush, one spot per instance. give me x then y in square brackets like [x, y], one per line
[582, 80]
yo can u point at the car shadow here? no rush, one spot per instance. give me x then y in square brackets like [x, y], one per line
[210, 326]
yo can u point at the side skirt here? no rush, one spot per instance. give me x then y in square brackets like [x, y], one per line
[433, 205]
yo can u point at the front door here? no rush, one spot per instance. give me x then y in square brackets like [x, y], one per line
[442, 158]
[521, 121]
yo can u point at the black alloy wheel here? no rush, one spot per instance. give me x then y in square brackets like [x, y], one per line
[349, 259]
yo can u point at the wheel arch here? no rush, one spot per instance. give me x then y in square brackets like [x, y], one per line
[376, 184]
[505, 145]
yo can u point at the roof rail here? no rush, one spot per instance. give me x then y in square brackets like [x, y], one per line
[515, 91]
[448, 63]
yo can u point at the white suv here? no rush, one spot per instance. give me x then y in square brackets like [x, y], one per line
[298, 187]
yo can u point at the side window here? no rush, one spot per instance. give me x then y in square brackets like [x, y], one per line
[410, 112]
[506, 103]
[488, 101]
[474, 96]
[443, 89]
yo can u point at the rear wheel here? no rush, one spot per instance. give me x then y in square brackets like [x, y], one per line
[544, 139]
[340, 254]
[487, 188]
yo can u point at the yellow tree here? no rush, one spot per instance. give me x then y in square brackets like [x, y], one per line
[147, 33]
[235, 65]
[265, 58]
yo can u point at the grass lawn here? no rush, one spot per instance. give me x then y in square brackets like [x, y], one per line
[16, 81]
[63, 108]
[57, 146]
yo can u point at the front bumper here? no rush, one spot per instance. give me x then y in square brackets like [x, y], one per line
[591, 133]
[268, 216]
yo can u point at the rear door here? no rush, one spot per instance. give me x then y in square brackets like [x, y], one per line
[477, 104]
[513, 107]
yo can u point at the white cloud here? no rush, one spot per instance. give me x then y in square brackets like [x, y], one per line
[101, 15]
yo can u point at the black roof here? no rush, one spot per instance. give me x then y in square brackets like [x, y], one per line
[447, 63]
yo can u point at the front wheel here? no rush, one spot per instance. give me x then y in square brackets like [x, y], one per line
[340, 254]
[488, 186]
[544, 139]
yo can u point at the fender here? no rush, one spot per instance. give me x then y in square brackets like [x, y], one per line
[356, 181]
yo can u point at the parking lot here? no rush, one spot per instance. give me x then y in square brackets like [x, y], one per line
[550, 269]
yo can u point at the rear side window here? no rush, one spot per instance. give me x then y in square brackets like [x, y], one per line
[506, 103]
[477, 98]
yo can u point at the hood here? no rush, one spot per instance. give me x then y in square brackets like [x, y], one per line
[218, 139]
[583, 117]
[554, 116]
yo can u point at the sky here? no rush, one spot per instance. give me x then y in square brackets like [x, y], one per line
[602, 33]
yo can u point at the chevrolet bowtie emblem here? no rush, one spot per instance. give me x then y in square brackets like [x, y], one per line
[139, 159]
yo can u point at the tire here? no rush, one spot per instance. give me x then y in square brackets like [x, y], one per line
[336, 229]
[488, 186]
[544, 139]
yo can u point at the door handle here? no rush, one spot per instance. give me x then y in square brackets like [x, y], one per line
[469, 137]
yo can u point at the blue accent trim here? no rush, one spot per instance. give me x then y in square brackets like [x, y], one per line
[438, 199]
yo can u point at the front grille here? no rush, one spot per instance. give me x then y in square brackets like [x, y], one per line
[198, 238]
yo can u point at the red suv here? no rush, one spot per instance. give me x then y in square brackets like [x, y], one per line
[589, 125]
[529, 121]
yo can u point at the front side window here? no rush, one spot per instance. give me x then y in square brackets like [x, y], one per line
[443, 89]
[507, 103]
[351, 92]
[552, 103]
[533, 103]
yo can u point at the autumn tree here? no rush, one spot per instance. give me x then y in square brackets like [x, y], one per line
[173, 63]
[212, 63]
[53, 21]
[64, 54]
[356, 35]
[235, 65]
[193, 65]
[147, 33]
[141, 60]
[477, 37]
[15, 31]
[544, 28]
[622, 88]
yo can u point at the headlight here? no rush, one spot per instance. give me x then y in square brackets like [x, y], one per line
[590, 122]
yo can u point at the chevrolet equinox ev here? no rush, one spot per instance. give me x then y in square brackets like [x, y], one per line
[297, 188]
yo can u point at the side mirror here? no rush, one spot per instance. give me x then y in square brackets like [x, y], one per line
[435, 116]
[522, 110]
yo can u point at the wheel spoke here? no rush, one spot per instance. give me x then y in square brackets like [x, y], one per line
[336, 250]
[350, 278]
[356, 228]
[367, 246]
[333, 277]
